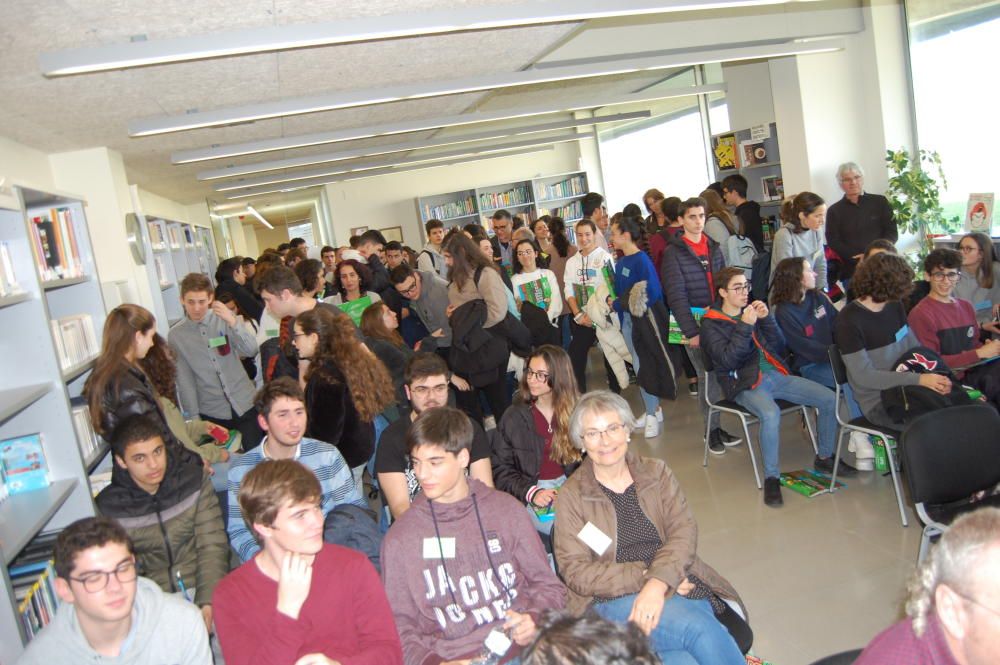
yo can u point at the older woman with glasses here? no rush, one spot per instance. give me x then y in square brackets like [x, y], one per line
[625, 545]
[532, 454]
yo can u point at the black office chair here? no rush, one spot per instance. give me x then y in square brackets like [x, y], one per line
[951, 454]
[842, 658]
[864, 425]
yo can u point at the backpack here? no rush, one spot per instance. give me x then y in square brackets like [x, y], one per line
[760, 276]
[739, 252]
[905, 403]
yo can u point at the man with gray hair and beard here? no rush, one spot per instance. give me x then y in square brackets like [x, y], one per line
[953, 609]
[860, 217]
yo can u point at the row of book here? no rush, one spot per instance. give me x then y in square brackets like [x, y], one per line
[54, 240]
[569, 213]
[22, 465]
[75, 339]
[466, 206]
[519, 195]
[86, 438]
[575, 186]
[162, 276]
[8, 280]
[32, 578]
[177, 235]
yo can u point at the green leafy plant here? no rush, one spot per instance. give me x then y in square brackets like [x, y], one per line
[914, 194]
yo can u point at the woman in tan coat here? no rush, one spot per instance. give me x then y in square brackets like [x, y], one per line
[624, 540]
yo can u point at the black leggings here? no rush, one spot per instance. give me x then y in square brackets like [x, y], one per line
[582, 341]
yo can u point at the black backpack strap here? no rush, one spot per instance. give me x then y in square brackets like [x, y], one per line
[477, 275]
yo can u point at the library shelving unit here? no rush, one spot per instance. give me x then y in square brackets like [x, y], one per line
[758, 170]
[176, 249]
[528, 199]
[35, 390]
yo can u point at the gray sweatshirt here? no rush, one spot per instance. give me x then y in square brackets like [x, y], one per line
[807, 245]
[432, 304]
[165, 630]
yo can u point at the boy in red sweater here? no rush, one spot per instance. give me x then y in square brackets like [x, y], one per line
[948, 325]
[300, 601]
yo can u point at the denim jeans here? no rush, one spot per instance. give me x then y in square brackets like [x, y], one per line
[761, 402]
[652, 402]
[688, 632]
[546, 525]
[822, 373]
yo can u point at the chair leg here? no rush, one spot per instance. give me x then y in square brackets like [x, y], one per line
[753, 456]
[810, 430]
[925, 542]
[895, 481]
[708, 425]
[836, 459]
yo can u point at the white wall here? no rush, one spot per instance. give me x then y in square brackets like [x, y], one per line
[390, 200]
[25, 165]
[748, 94]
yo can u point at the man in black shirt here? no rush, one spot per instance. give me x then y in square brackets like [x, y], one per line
[734, 191]
[426, 382]
[854, 221]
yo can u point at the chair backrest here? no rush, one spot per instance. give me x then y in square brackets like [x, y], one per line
[951, 453]
[844, 658]
[837, 363]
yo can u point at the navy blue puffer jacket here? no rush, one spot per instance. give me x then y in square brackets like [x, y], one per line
[685, 280]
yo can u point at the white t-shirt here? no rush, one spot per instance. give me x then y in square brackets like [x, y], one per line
[583, 274]
[541, 288]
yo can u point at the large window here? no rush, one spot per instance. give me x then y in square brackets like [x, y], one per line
[953, 56]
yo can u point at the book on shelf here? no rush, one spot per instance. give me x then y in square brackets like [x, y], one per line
[156, 239]
[99, 480]
[23, 462]
[86, 438]
[161, 271]
[188, 236]
[175, 236]
[979, 213]
[724, 152]
[773, 187]
[75, 339]
[460, 208]
[54, 241]
[575, 186]
[753, 152]
[519, 195]
[570, 212]
[35, 594]
[8, 280]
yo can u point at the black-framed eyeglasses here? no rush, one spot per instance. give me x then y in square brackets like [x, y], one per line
[538, 376]
[965, 249]
[439, 389]
[939, 276]
[739, 288]
[98, 580]
[406, 290]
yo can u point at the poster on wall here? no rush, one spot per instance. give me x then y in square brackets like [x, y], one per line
[724, 151]
[979, 213]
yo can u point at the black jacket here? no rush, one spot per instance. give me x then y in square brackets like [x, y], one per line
[243, 297]
[517, 453]
[476, 354]
[732, 348]
[132, 396]
[649, 337]
[333, 417]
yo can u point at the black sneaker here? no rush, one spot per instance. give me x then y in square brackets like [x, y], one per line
[772, 492]
[729, 439]
[693, 389]
[715, 445]
[826, 466]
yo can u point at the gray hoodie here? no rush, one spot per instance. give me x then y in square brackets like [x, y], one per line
[807, 245]
[430, 259]
[431, 306]
[165, 631]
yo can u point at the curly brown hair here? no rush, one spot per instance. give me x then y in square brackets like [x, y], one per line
[882, 278]
[787, 284]
[161, 369]
[367, 378]
[363, 272]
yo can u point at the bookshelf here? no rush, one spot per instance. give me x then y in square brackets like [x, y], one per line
[528, 199]
[38, 382]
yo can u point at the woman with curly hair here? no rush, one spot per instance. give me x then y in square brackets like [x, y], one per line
[346, 386]
[872, 334]
[310, 273]
[351, 282]
[533, 455]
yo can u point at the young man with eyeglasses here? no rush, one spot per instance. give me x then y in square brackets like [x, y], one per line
[948, 326]
[466, 574]
[108, 613]
[425, 380]
[746, 348]
[299, 600]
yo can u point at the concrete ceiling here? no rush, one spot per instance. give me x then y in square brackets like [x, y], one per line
[83, 111]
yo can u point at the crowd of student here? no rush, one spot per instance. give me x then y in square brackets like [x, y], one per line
[456, 378]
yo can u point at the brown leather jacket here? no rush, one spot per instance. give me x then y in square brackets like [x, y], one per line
[586, 574]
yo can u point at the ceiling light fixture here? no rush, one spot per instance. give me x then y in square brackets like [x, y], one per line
[279, 38]
[367, 165]
[386, 171]
[355, 98]
[321, 138]
[260, 217]
[373, 151]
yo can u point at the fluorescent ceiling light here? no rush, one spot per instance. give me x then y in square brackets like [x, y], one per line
[384, 171]
[355, 98]
[241, 208]
[372, 151]
[320, 138]
[366, 165]
[260, 217]
[393, 26]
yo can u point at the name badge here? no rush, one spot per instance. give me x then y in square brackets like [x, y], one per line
[984, 305]
[216, 342]
[497, 642]
[902, 333]
[443, 549]
[626, 272]
[594, 538]
[820, 312]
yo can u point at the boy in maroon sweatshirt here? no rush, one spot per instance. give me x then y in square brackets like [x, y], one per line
[300, 601]
[464, 570]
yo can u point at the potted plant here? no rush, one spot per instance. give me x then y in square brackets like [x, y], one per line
[914, 195]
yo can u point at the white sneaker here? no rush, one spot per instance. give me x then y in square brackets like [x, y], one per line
[864, 452]
[659, 414]
[652, 427]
